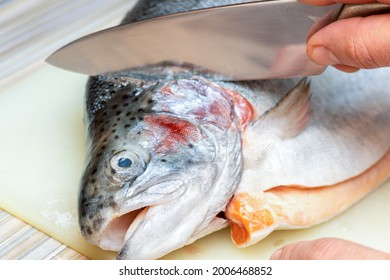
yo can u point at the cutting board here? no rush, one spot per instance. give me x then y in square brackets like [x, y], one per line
[42, 148]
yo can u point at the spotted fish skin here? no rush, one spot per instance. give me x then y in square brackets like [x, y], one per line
[106, 128]
[146, 9]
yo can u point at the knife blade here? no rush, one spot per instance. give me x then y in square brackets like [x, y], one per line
[238, 42]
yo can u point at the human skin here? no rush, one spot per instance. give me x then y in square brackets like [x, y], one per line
[328, 249]
[352, 44]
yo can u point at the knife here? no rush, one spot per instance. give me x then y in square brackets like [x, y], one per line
[256, 40]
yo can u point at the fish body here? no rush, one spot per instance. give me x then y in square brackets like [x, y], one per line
[174, 156]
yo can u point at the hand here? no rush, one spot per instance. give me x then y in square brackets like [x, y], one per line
[352, 44]
[328, 249]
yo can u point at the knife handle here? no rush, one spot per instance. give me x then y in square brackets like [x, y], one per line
[363, 10]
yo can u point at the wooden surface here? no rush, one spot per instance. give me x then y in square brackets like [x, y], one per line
[20, 241]
[29, 32]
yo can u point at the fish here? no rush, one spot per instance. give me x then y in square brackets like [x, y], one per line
[174, 156]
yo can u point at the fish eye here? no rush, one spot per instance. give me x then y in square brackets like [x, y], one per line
[124, 162]
[127, 163]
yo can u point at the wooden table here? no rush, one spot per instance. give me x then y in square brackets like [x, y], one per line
[20, 241]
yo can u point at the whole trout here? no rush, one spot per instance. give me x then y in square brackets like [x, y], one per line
[174, 156]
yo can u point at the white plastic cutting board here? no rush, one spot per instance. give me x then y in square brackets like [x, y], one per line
[42, 148]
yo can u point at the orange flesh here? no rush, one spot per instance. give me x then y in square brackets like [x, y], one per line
[248, 215]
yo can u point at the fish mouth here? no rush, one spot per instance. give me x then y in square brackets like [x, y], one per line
[114, 235]
[121, 226]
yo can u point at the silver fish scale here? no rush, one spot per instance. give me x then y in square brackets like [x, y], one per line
[101, 89]
[114, 115]
[122, 113]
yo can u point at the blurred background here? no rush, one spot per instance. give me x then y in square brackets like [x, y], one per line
[30, 30]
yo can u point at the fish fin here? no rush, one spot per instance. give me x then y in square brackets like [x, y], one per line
[291, 114]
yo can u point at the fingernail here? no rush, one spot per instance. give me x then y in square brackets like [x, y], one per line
[323, 56]
[276, 255]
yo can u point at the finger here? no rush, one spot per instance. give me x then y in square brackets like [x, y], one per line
[318, 2]
[328, 249]
[355, 42]
[346, 68]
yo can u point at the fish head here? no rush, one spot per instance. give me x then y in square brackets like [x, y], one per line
[154, 184]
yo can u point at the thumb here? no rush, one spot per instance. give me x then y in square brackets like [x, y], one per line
[355, 43]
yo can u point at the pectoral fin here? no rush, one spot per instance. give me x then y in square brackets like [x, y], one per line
[291, 115]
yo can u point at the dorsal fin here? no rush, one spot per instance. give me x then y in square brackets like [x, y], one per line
[291, 114]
